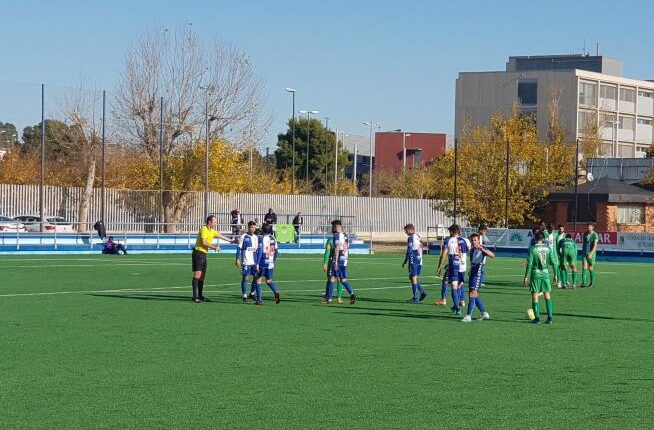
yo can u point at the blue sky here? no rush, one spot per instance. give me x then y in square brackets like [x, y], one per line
[396, 61]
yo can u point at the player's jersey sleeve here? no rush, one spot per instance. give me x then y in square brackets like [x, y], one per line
[409, 246]
[532, 260]
[553, 262]
[594, 240]
[329, 245]
[261, 252]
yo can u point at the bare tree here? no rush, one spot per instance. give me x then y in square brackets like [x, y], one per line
[82, 111]
[216, 84]
[556, 130]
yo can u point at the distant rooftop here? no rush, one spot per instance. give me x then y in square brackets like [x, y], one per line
[591, 63]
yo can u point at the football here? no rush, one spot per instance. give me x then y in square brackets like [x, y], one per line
[530, 314]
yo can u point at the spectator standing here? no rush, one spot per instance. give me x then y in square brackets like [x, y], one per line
[101, 229]
[297, 223]
[236, 222]
[270, 217]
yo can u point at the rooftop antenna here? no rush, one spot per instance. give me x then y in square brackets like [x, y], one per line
[597, 49]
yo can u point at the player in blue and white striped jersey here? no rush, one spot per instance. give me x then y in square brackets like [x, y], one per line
[478, 256]
[464, 247]
[341, 254]
[247, 258]
[414, 258]
[267, 259]
[452, 251]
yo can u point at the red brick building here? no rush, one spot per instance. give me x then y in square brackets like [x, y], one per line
[612, 205]
[421, 149]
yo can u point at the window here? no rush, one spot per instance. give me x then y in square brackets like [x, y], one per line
[626, 123]
[588, 94]
[644, 121]
[528, 92]
[417, 159]
[529, 113]
[587, 209]
[628, 95]
[631, 213]
[586, 122]
[608, 92]
[645, 94]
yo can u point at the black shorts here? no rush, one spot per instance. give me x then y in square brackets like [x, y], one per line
[199, 261]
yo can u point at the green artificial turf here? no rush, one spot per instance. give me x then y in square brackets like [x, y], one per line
[111, 342]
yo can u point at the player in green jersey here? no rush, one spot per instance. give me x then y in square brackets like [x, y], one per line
[327, 266]
[567, 249]
[559, 236]
[588, 253]
[537, 276]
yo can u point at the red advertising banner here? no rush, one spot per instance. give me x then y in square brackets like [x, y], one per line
[605, 237]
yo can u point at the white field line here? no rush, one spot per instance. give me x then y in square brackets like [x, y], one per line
[155, 289]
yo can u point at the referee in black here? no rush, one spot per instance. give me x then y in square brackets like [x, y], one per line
[203, 244]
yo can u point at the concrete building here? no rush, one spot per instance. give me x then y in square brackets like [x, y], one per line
[359, 145]
[588, 90]
[395, 150]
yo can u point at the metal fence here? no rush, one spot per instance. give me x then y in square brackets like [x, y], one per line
[185, 236]
[134, 209]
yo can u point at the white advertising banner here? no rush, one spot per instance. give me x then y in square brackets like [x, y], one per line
[636, 241]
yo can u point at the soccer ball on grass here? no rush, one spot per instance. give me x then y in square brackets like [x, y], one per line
[530, 314]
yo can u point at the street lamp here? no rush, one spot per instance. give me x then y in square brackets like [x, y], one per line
[308, 113]
[208, 119]
[614, 137]
[404, 135]
[370, 125]
[292, 91]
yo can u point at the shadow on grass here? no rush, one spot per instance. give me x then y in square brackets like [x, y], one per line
[164, 297]
[600, 317]
[421, 316]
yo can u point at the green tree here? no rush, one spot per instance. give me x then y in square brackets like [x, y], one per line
[321, 153]
[61, 140]
[8, 134]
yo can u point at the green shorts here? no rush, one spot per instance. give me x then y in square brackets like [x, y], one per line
[569, 258]
[555, 257]
[540, 285]
[590, 260]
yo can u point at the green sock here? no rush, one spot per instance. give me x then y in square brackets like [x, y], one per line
[548, 305]
[339, 289]
[592, 277]
[574, 277]
[536, 307]
[564, 276]
[583, 276]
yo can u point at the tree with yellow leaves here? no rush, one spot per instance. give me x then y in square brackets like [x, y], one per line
[534, 169]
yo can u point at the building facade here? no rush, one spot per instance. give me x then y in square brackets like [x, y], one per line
[611, 204]
[395, 151]
[587, 92]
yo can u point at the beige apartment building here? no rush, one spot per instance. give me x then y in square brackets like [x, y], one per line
[588, 90]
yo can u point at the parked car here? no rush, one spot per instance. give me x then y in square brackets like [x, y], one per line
[51, 224]
[10, 225]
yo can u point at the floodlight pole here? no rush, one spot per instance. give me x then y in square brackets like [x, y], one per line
[506, 183]
[456, 168]
[41, 189]
[574, 218]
